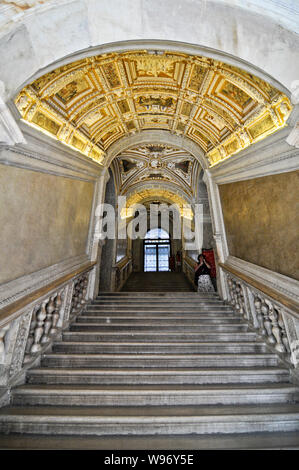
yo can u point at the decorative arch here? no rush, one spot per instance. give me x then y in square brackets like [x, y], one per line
[149, 195]
[93, 103]
[33, 38]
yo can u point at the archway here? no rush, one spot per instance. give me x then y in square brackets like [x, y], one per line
[228, 44]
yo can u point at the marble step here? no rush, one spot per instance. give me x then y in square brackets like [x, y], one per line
[107, 376]
[153, 315]
[162, 308]
[254, 441]
[159, 360]
[138, 421]
[158, 348]
[163, 311]
[150, 328]
[154, 395]
[157, 336]
[180, 322]
[185, 297]
[154, 301]
[155, 295]
[159, 288]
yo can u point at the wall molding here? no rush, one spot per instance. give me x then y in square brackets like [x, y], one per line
[47, 155]
[267, 157]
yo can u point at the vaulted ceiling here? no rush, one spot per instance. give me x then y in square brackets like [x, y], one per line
[156, 164]
[92, 103]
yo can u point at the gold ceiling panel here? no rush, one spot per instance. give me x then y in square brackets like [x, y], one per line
[152, 163]
[155, 194]
[92, 103]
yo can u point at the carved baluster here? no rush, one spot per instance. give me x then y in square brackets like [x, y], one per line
[234, 293]
[21, 344]
[38, 332]
[80, 293]
[84, 290]
[48, 320]
[77, 296]
[237, 297]
[56, 314]
[276, 331]
[283, 332]
[30, 339]
[267, 322]
[237, 290]
[294, 357]
[259, 315]
[74, 298]
[241, 302]
[3, 331]
[230, 289]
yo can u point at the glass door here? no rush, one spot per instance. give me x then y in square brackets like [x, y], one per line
[163, 257]
[150, 258]
[156, 256]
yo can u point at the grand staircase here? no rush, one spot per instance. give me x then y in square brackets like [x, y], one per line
[155, 368]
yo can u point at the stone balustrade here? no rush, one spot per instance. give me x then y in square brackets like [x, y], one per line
[188, 268]
[275, 322]
[123, 270]
[27, 333]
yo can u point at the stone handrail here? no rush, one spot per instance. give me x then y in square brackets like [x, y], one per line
[14, 310]
[283, 299]
[188, 268]
[273, 315]
[122, 271]
[29, 325]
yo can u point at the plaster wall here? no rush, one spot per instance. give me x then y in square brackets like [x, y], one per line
[261, 217]
[36, 39]
[44, 220]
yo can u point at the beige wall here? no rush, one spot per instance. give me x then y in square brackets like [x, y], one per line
[44, 219]
[261, 218]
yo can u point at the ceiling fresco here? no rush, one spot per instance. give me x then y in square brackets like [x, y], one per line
[92, 103]
[156, 164]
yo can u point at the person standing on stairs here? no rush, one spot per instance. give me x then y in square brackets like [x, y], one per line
[202, 277]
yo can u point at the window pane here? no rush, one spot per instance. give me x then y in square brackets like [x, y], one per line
[163, 257]
[150, 258]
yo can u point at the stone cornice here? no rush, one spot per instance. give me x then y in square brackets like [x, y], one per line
[42, 153]
[270, 156]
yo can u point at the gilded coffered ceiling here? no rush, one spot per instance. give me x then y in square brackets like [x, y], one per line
[155, 164]
[92, 103]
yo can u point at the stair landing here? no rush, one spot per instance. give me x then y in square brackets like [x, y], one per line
[158, 282]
